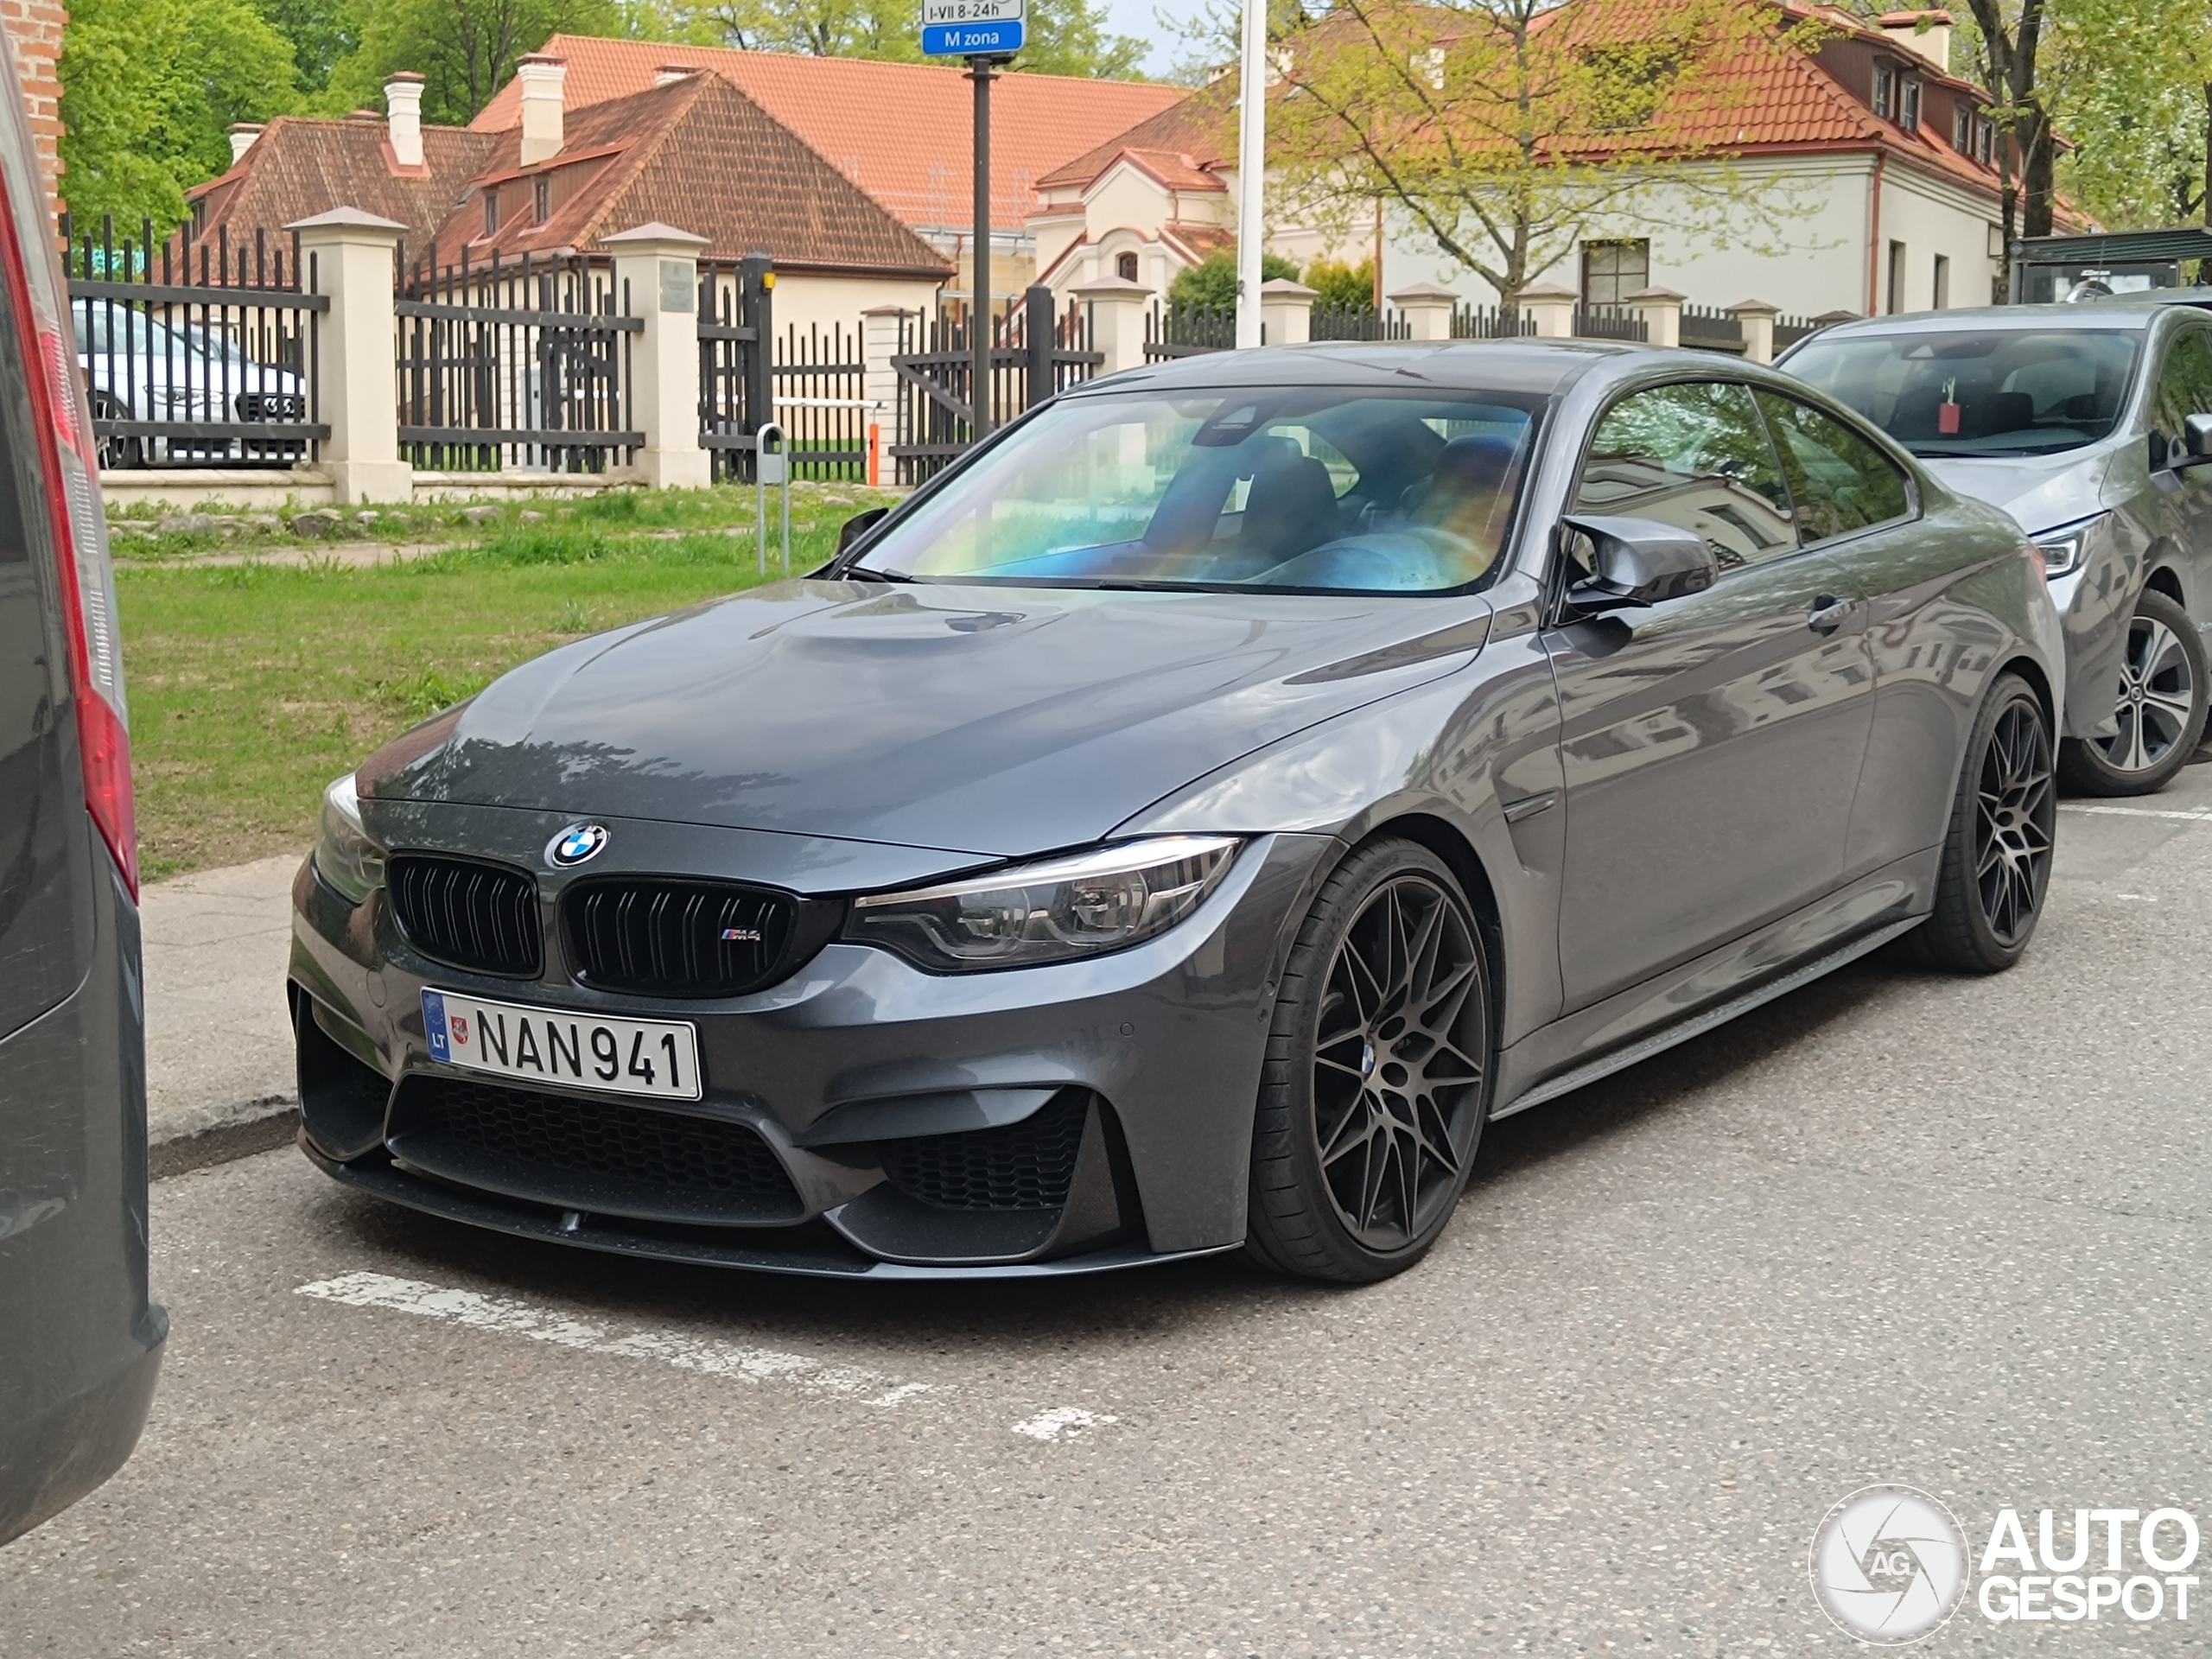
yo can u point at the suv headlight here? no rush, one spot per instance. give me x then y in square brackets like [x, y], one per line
[348, 860]
[2065, 548]
[1058, 910]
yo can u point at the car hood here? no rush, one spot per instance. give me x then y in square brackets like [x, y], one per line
[981, 719]
[2040, 492]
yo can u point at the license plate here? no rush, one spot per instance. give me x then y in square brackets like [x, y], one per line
[656, 1057]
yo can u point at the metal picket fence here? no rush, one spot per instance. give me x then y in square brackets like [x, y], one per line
[195, 359]
[1036, 351]
[522, 362]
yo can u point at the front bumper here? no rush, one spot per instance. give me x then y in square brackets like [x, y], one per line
[1139, 1072]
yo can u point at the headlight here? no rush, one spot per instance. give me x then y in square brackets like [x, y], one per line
[1060, 909]
[344, 857]
[2065, 548]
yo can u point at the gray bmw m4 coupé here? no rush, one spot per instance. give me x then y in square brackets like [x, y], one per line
[1183, 823]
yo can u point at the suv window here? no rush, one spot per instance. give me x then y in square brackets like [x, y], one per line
[1694, 455]
[1839, 480]
[2184, 382]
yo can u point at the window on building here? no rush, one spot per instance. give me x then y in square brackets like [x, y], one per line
[1942, 281]
[490, 213]
[1125, 267]
[1895, 298]
[1885, 89]
[1908, 105]
[1962, 126]
[1984, 140]
[542, 201]
[1613, 271]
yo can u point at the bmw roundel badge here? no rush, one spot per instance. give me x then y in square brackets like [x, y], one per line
[575, 844]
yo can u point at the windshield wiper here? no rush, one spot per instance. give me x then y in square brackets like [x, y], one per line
[863, 573]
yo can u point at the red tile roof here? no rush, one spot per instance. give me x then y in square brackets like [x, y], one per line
[298, 167]
[1198, 131]
[900, 130]
[699, 155]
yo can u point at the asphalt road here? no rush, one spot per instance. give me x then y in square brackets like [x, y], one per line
[1896, 1228]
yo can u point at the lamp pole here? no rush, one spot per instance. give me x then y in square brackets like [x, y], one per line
[979, 313]
[1251, 167]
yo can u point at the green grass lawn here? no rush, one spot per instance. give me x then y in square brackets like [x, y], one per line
[252, 685]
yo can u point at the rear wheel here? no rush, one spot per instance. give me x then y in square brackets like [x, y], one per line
[1996, 865]
[1378, 1072]
[2161, 708]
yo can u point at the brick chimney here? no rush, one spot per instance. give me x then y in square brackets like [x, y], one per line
[402, 103]
[542, 78]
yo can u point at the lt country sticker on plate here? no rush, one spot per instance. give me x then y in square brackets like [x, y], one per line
[658, 1059]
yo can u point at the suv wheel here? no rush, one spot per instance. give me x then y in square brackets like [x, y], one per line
[1378, 1072]
[2161, 710]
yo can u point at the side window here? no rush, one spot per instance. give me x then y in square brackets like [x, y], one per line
[1695, 456]
[2184, 382]
[1839, 481]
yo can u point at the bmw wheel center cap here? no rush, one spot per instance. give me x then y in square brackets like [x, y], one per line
[575, 844]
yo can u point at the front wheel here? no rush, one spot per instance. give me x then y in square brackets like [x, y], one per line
[1996, 868]
[1378, 1072]
[2161, 708]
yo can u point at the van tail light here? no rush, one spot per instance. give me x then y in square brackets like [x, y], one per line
[39, 306]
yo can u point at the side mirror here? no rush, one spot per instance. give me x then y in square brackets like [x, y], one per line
[1640, 561]
[2196, 441]
[859, 526]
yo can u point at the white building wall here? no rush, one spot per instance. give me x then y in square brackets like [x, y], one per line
[829, 302]
[1821, 260]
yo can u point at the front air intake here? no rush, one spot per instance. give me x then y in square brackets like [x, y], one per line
[656, 935]
[481, 916]
[1025, 1166]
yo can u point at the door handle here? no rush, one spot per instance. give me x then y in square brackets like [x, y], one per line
[1830, 613]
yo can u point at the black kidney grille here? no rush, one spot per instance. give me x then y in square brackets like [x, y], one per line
[676, 938]
[1025, 1166]
[479, 915]
[671, 1150]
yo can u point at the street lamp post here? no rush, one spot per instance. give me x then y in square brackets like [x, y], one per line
[1251, 166]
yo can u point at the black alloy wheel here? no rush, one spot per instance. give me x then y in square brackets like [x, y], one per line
[111, 454]
[1996, 866]
[1378, 1071]
[2160, 709]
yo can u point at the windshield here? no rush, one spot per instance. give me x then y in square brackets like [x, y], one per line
[103, 329]
[1998, 392]
[1326, 489]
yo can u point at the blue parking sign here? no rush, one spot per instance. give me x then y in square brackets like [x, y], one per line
[973, 28]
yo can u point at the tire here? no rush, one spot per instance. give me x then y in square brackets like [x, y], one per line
[1996, 868]
[1367, 1122]
[112, 453]
[2162, 689]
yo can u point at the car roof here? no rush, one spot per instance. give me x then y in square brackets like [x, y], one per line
[2130, 311]
[1540, 367]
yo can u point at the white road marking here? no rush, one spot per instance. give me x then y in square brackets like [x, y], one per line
[1062, 1423]
[2179, 815]
[686, 1353]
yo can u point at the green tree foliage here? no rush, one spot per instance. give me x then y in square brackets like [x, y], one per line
[1213, 282]
[150, 89]
[1504, 131]
[465, 50]
[322, 31]
[1065, 37]
[1343, 287]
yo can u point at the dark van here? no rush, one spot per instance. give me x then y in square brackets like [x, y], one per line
[80, 1342]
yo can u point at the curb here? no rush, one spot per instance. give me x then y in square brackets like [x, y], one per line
[264, 1125]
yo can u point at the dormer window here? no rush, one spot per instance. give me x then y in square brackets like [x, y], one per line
[1962, 128]
[1885, 91]
[1908, 105]
[543, 198]
[1125, 267]
[492, 213]
[1984, 140]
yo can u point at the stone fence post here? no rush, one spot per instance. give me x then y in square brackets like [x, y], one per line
[352, 254]
[1287, 311]
[1427, 308]
[1757, 317]
[1117, 309]
[1551, 308]
[658, 267]
[1660, 308]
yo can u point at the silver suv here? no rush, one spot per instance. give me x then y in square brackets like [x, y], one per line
[2077, 420]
